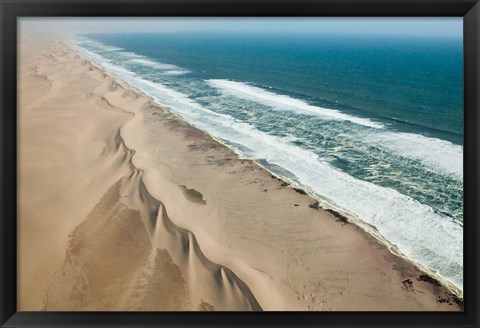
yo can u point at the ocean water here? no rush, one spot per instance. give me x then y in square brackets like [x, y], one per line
[371, 126]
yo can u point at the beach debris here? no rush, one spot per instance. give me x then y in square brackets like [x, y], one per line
[457, 300]
[429, 279]
[449, 298]
[315, 205]
[295, 204]
[300, 191]
[407, 284]
[443, 300]
[339, 217]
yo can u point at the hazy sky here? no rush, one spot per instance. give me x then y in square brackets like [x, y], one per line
[435, 26]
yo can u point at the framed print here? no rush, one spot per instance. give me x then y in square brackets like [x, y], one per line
[170, 163]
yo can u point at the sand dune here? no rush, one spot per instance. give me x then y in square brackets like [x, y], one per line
[113, 258]
[124, 206]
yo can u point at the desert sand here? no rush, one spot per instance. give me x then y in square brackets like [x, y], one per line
[125, 206]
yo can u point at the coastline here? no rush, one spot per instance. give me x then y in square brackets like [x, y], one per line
[259, 259]
[318, 202]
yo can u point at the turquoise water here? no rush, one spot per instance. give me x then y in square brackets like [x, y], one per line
[372, 126]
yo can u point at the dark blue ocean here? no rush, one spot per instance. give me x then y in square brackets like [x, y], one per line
[370, 125]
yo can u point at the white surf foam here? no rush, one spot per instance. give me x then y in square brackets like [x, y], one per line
[130, 54]
[97, 44]
[167, 69]
[421, 234]
[153, 64]
[177, 72]
[435, 154]
[111, 48]
[90, 54]
[283, 102]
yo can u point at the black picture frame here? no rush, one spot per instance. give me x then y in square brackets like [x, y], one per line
[11, 10]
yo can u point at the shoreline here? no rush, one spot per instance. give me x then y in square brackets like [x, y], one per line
[323, 204]
[256, 279]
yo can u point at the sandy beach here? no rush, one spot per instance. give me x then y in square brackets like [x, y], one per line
[125, 206]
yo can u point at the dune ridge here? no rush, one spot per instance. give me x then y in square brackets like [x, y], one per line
[236, 258]
[165, 241]
[101, 273]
